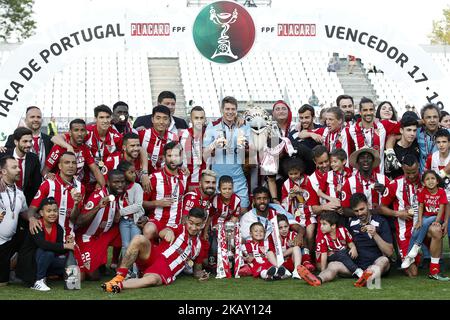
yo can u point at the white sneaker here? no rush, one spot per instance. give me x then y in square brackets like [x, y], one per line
[407, 262]
[40, 285]
[287, 274]
[414, 251]
[295, 275]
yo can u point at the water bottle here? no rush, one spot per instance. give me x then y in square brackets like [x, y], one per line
[72, 275]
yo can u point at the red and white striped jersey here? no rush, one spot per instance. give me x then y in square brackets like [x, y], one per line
[335, 182]
[435, 163]
[196, 199]
[193, 155]
[287, 240]
[185, 247]
[223, 212]
[154, 144]
[104, 218]
[326, 244]
[113, 161]
[375, 137]
[101, 149]
[357, 183]
[402, 194]
[60, 190]
[258, 249]
[82, 153]
[340, 139]
[348, 124]
[165, 185]
[318, 179]
[310, 196]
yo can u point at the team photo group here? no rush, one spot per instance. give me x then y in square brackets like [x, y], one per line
[355, 191]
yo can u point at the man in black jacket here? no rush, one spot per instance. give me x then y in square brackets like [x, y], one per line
[29, 165]
[41, 143]
[168, 99]
[30, 176]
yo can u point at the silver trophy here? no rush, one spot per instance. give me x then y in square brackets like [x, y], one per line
[229, 233]
[224, 19]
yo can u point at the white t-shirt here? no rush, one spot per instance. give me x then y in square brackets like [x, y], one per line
[9, 224]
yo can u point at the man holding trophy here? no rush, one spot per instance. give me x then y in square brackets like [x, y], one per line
[224, 147]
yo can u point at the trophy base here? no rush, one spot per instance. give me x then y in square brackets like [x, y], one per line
[224, 54]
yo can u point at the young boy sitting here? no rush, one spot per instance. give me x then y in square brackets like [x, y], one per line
[298, 197]
[226, 206]
[292, 254]
[40, 254]
[260, 260]
[335, 244]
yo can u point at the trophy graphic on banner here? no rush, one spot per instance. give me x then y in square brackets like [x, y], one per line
[224, 19]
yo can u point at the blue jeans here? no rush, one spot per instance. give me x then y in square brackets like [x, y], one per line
[48, 262]
[128, 230]
[419, 234]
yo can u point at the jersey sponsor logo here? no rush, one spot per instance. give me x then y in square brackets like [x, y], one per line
[89, 205]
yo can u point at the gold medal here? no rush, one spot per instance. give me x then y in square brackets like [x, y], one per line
[411, 211]
[101, 164]
[190, 263]
[111, 198]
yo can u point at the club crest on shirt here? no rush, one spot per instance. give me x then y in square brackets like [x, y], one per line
[343, 195]
[306, 195]
[89, 205]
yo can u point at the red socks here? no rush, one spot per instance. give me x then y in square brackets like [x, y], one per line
[435, 268]
[122, 271]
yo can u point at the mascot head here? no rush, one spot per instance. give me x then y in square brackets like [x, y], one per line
[259, 121]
